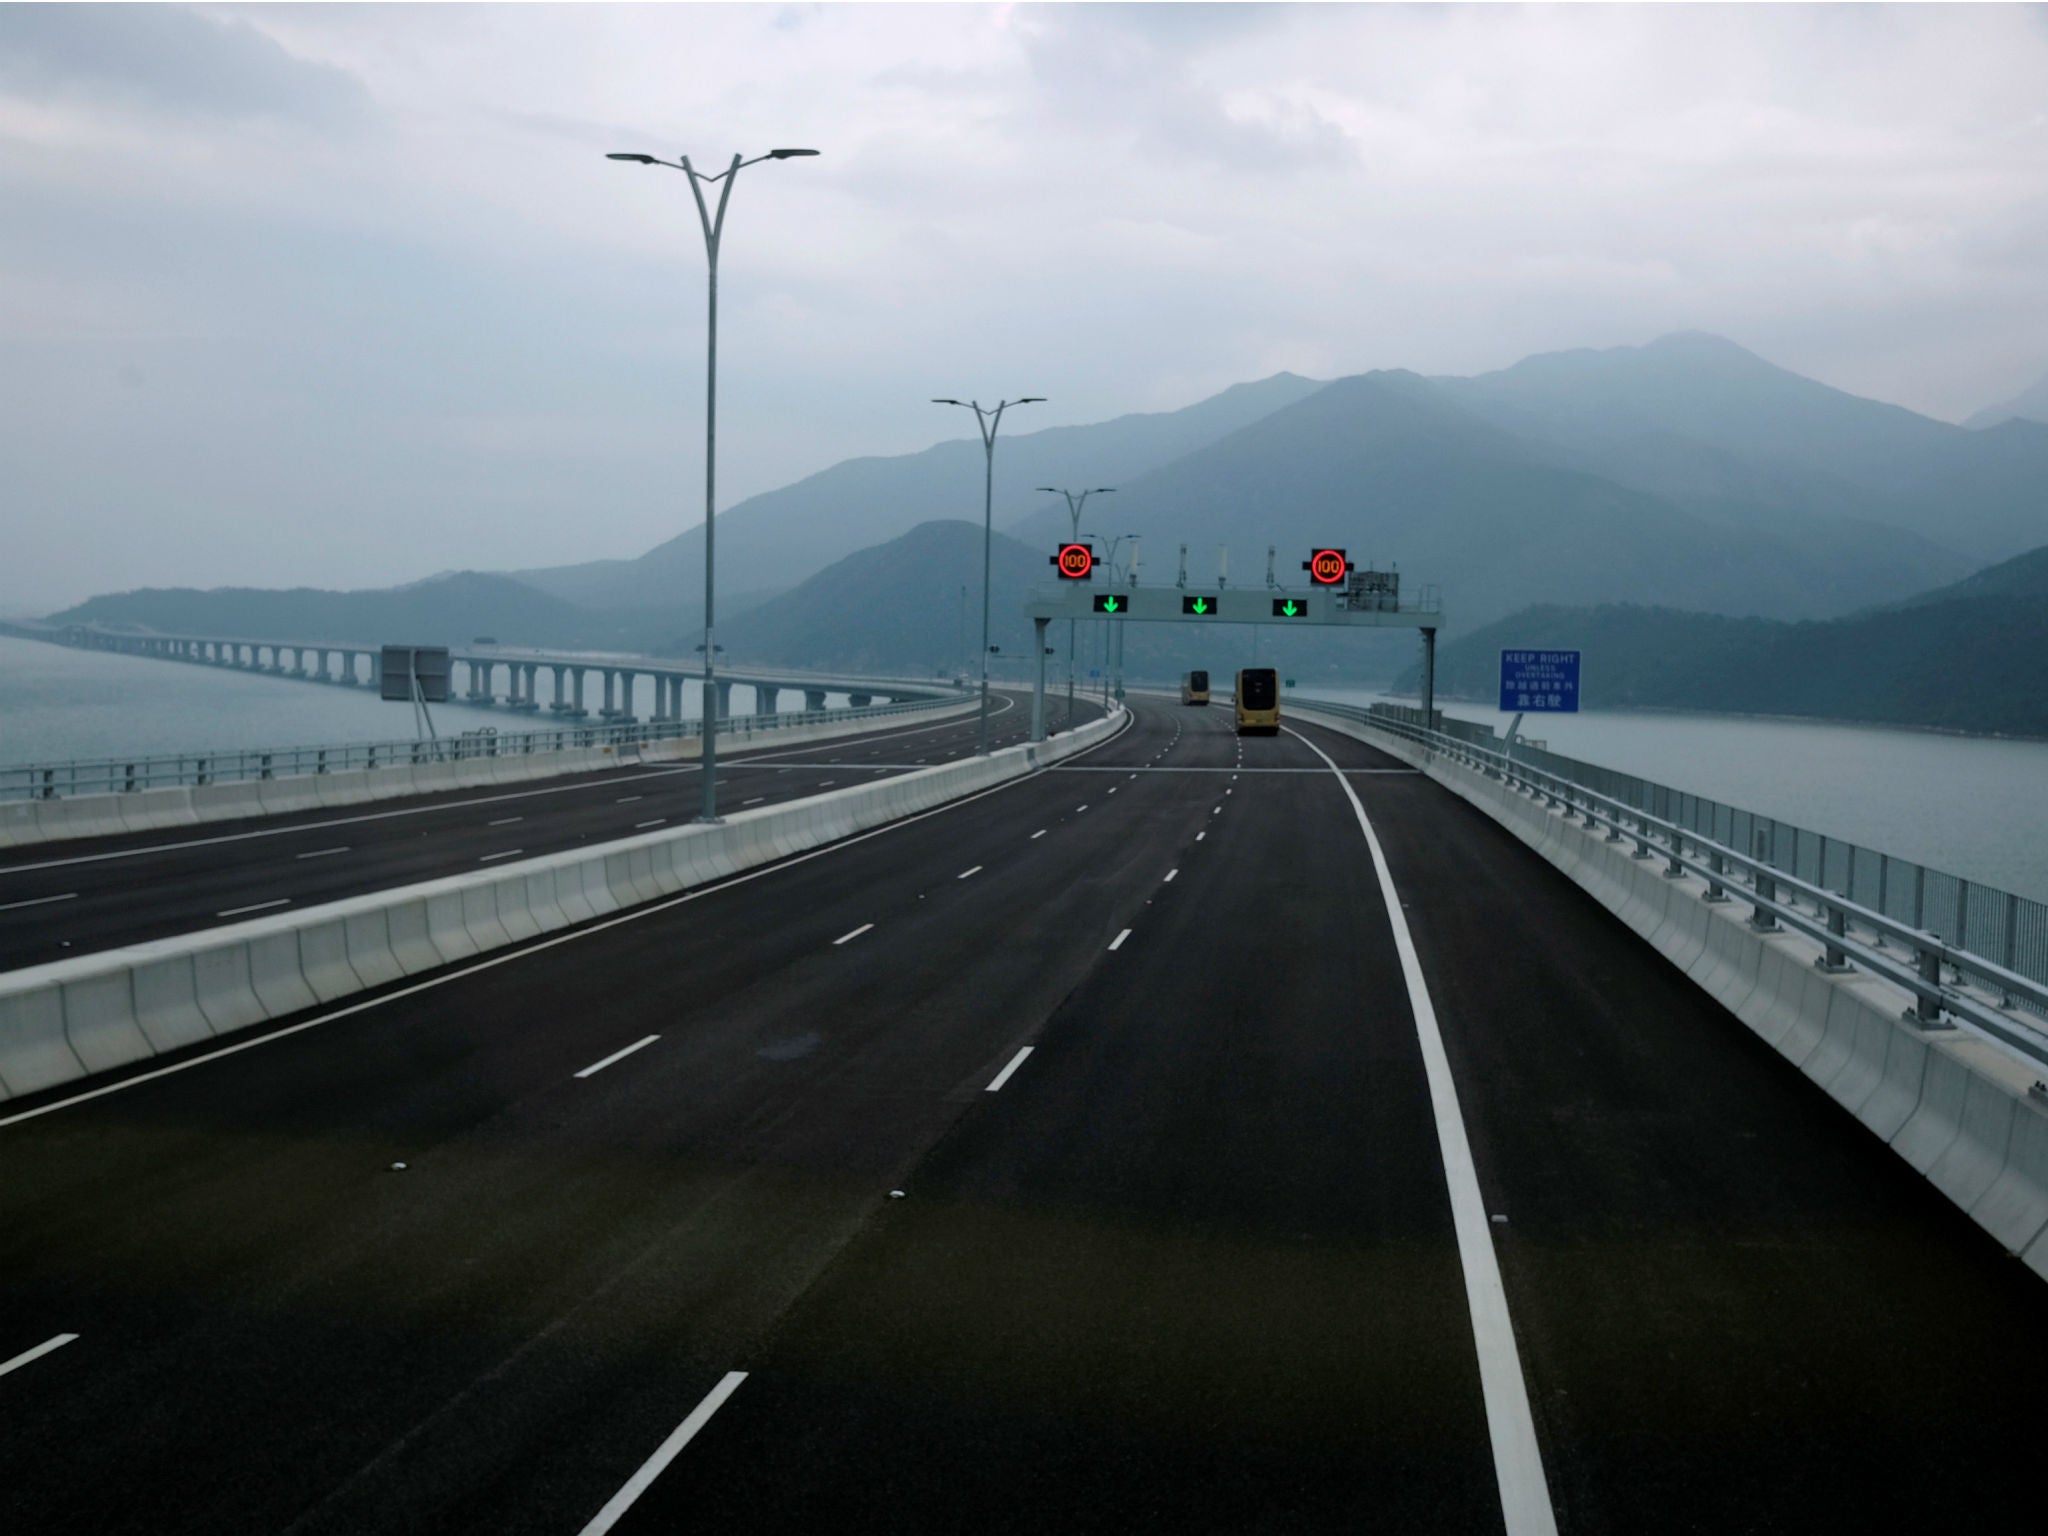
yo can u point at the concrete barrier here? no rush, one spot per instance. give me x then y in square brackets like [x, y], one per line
[1955, 1106]
[65, 1020]
[81, 816]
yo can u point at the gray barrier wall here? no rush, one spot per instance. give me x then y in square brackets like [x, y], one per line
[67, 1020]
[1962, 1110]
[148, 810]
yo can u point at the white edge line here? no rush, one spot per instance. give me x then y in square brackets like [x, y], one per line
[319, 853]
[598, 1066]
[1517, 1459]
[1003, 1076]
[863, 928]
[641, 826]
[508, 853]
[30, 1356]
[1118, 941]
[520, 952]
[667, 1452]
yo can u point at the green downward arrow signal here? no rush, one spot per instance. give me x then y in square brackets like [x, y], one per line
[1109, 605]
[1289, 609]
[1201, 606]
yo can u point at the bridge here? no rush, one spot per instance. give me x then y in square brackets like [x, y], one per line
[612, 675]
[1145, 1128]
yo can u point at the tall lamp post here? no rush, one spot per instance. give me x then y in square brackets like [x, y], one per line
[1113, 636]
[714, 228]
[988, 420]
[1076, 500]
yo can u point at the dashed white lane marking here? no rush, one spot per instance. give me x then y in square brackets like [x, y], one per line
[1169, 876]
[258, 906]
[1003, 1076]
[667, 1452]
[826, 783]
[38, 901]
[755, 801]
[1036, 835]
[1114, 788]
[641, 826]
[1118, 941]
[1517, 1459]
[598, 1066]
[1200, 835]
[1227, 791]
[508, 853]
[966, 872]
[58, 1341]
[1079, 809]
[863, 928]
[319, 853]
[1217, 812]
[625, 800]
[506, 821]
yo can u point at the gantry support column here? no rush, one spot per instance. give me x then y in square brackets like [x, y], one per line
[1038, 694]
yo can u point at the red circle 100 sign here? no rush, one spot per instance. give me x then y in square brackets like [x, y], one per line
[1076, 561]
[1326, 567]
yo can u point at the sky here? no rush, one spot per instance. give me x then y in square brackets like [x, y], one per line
[344, 295]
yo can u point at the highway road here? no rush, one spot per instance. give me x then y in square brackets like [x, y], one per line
[604, 1233]
[58, 901]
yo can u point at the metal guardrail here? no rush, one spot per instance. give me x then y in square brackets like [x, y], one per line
[100, 776]
[2001, 993]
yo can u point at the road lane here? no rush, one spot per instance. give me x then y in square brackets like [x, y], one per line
[63, 901]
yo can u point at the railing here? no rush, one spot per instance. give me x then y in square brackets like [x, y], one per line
[49, 781]
[1960, 948]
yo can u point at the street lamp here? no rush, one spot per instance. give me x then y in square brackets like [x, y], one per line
[714, 227]
[1076, 500]
[1113, 650]
[988, 421]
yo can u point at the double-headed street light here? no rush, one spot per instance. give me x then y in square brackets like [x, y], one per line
[988, 420]
[1076, 500]
[714, 227]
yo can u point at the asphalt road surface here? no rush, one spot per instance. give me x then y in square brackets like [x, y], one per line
[1177, 1247]
[58, 901]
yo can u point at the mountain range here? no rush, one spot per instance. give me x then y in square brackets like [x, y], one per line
[1961, 657]
[1687, 474]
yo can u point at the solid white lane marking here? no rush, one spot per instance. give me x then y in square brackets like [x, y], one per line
[37, 901]
[755, 801]
[1169, 876]
[1034, 837]
[506, 821]
[259, 906]
[1003, 1076]
[598, 1066]
[641, 826]
[1118, 941]
[1517, 1459]
[55, 1342]
[538, 946]
[508, 853]
[319, 853]
[863, 928]
[966, 872]
[669, 1449]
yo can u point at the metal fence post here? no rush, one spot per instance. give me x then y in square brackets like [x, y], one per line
[1833, 959]
[1926, 1010]
[1716, 891]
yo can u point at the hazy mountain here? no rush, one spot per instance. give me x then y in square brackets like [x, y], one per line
[2030, 404]
[773, 541]
[447, 610]
[1700, 419]
[1959, 658]
[1393, 467]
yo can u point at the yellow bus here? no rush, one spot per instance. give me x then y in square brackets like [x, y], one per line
[1258, 701]
[1194, 688]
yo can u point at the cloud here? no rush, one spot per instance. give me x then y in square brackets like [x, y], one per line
[167, 60]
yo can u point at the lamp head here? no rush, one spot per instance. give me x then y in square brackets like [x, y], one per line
[636, 159]
[789, 154]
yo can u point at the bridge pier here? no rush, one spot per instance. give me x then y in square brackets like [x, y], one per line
[814, 698]
[724, 701]
[860, 700]
[767, 699]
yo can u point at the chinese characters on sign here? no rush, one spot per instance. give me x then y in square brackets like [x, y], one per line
[1540, 681]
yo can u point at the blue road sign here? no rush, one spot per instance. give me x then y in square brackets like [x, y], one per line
[1540, 682]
